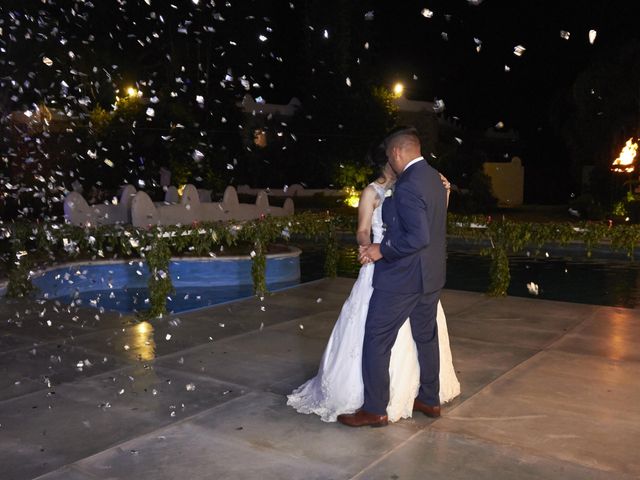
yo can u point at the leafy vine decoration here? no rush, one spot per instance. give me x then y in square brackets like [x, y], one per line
[37, 245]
[26, 246]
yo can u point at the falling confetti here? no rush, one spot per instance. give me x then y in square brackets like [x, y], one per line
[519, 50]
[478, 43]
[426, 13]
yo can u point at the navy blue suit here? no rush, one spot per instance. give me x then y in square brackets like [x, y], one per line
[407, 283]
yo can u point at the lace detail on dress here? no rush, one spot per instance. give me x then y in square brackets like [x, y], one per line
[338, 387]
[377, 227]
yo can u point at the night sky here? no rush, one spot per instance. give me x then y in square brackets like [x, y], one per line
[474, 84]
[77, 54]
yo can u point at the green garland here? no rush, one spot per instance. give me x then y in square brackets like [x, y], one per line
[259, 268]
[39, 244]
[331, 247]
[29, 245]
[160, 287]
[505, 237]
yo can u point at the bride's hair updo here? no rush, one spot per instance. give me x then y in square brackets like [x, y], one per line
[377, 159]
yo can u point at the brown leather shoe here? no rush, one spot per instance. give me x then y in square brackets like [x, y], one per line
[363, 419]
[428, 410]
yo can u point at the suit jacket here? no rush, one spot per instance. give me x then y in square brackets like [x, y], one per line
[414, 243]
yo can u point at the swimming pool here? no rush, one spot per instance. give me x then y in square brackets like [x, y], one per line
[198, 282]
[562, 276]
[122, 286]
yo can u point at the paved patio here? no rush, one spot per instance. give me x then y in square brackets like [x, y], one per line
[550, 390]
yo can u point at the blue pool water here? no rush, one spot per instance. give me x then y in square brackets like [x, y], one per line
[600, 282]
[183, 299]
[198, 282]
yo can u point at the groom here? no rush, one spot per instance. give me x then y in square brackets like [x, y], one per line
[409, 274]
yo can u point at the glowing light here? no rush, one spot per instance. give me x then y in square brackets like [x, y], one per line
[624, 162]
[353, 197]
[133, 92]
[398, 89]
[143, 342]
[181, 189]
[144, 327]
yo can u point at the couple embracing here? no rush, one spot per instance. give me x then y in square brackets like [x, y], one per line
[389, 353]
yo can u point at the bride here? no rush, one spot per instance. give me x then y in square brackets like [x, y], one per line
[338, 387]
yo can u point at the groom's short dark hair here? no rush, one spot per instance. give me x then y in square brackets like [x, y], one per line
[409, 132]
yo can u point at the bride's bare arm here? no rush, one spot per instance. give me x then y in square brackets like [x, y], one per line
[447, 186]
[368, 202]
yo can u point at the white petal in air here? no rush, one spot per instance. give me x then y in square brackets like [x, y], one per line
[592, 36]
[518, 50]
[438, 105]
[426, 13]
[478, 43]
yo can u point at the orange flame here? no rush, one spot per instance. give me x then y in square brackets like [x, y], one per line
[624, 162]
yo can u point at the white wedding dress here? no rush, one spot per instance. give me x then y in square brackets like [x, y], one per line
[338, 387]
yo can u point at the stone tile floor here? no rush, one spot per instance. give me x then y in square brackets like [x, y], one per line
[549, 390]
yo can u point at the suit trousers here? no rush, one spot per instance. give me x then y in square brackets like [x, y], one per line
[387, 313]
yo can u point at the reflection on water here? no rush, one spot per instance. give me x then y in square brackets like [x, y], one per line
[579, 280]
[143, 342]
[596, 282]
[183, 298]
